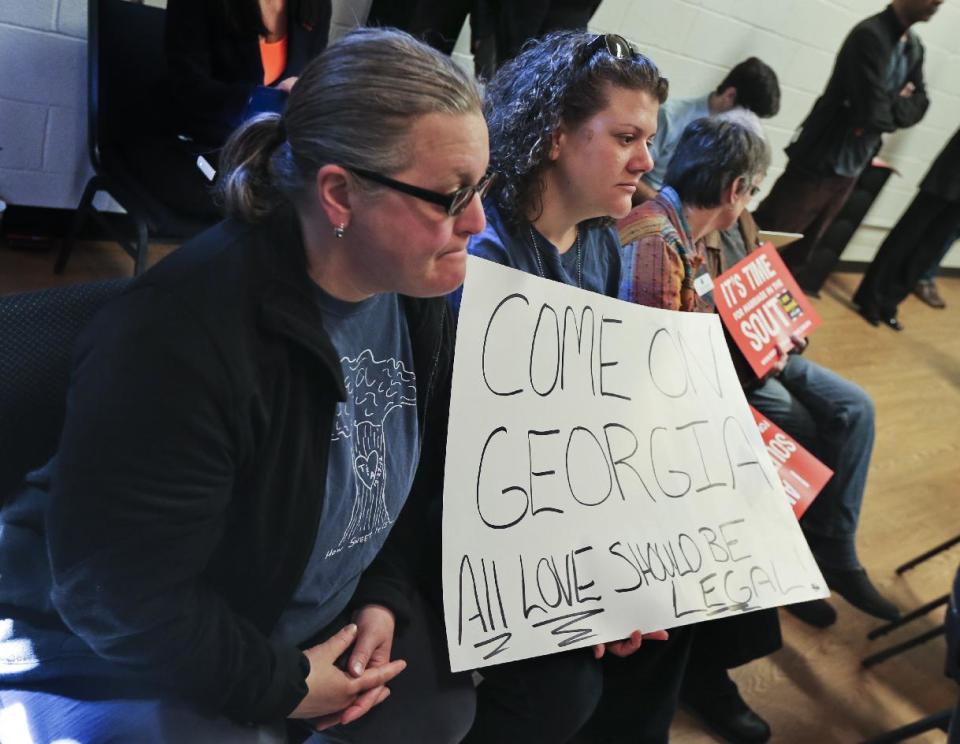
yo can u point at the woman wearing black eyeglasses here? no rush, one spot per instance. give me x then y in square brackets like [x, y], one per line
[254, 426]
[570, 122]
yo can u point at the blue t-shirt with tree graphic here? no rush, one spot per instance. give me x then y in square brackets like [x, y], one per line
[373, 457]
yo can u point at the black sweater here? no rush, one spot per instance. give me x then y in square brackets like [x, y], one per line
[192, 469]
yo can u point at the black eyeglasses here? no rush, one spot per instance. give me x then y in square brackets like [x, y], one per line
[615, 45]
[454, 203]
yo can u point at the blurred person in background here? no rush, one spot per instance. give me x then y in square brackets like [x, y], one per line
[876, 87]
[918, 241]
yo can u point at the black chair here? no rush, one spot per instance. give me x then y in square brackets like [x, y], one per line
[914, 562]
[37, 334]
[951, 628]
[130, 134]
[909, 617]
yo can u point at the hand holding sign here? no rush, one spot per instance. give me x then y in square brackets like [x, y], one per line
[603, 474]
[628, 646]
[799, 344]
[763, 308]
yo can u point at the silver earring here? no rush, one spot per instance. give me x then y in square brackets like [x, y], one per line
[339, 230]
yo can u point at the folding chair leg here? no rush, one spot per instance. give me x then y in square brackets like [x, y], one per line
[909, 617]
[876, 658]
[938, 720]
[929, 554]
[142, 248]
[79, 218]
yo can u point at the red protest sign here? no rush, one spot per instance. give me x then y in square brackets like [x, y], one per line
[803, 475]
[762, 306]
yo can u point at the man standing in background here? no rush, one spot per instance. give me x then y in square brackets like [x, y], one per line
[876, 86]
[498, 28]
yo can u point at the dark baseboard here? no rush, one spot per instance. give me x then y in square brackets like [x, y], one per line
[26, 228]
[860, 267]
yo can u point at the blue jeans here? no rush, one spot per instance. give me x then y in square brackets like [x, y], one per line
[833, 418]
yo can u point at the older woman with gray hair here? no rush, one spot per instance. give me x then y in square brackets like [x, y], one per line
[698, 224]
[233, 528]
[715, 171]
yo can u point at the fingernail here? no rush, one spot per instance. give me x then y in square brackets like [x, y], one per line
[358, 668]
[352, 628]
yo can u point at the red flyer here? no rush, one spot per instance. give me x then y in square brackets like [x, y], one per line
[803, 475]
[762, 306]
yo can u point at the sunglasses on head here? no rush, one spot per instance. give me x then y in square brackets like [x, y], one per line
[454, 203]
[614, 44]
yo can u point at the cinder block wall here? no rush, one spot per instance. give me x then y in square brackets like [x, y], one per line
[43, 101]
[695, 41]
[43, 90]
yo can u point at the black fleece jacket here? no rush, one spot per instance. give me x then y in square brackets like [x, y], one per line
[191, 471]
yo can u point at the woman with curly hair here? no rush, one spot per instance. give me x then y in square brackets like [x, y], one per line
[571, 119]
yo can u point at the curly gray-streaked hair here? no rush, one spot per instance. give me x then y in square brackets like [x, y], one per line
[545, 85]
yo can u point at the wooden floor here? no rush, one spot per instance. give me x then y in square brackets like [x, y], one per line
[813, 690]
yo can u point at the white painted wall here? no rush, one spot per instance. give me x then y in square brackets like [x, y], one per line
[42, 102]
[43, 55]
[694, 42]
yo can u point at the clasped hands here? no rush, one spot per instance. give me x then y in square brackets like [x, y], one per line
[336, 696]
[340, 696]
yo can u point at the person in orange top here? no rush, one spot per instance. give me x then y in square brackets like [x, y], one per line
[227, 60]
[230, 59]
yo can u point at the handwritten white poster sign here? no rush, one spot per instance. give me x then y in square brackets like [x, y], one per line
[603, 474]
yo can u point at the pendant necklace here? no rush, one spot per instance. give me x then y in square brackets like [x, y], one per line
[536, 254]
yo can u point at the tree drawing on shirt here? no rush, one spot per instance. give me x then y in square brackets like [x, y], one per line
[376, 388]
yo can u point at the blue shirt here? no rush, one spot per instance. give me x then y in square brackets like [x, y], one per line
[371, 465]
[595, 265]
[673, 118]
[372, 462]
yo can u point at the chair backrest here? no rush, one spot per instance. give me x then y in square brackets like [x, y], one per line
[127, 83]
[37, 335]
